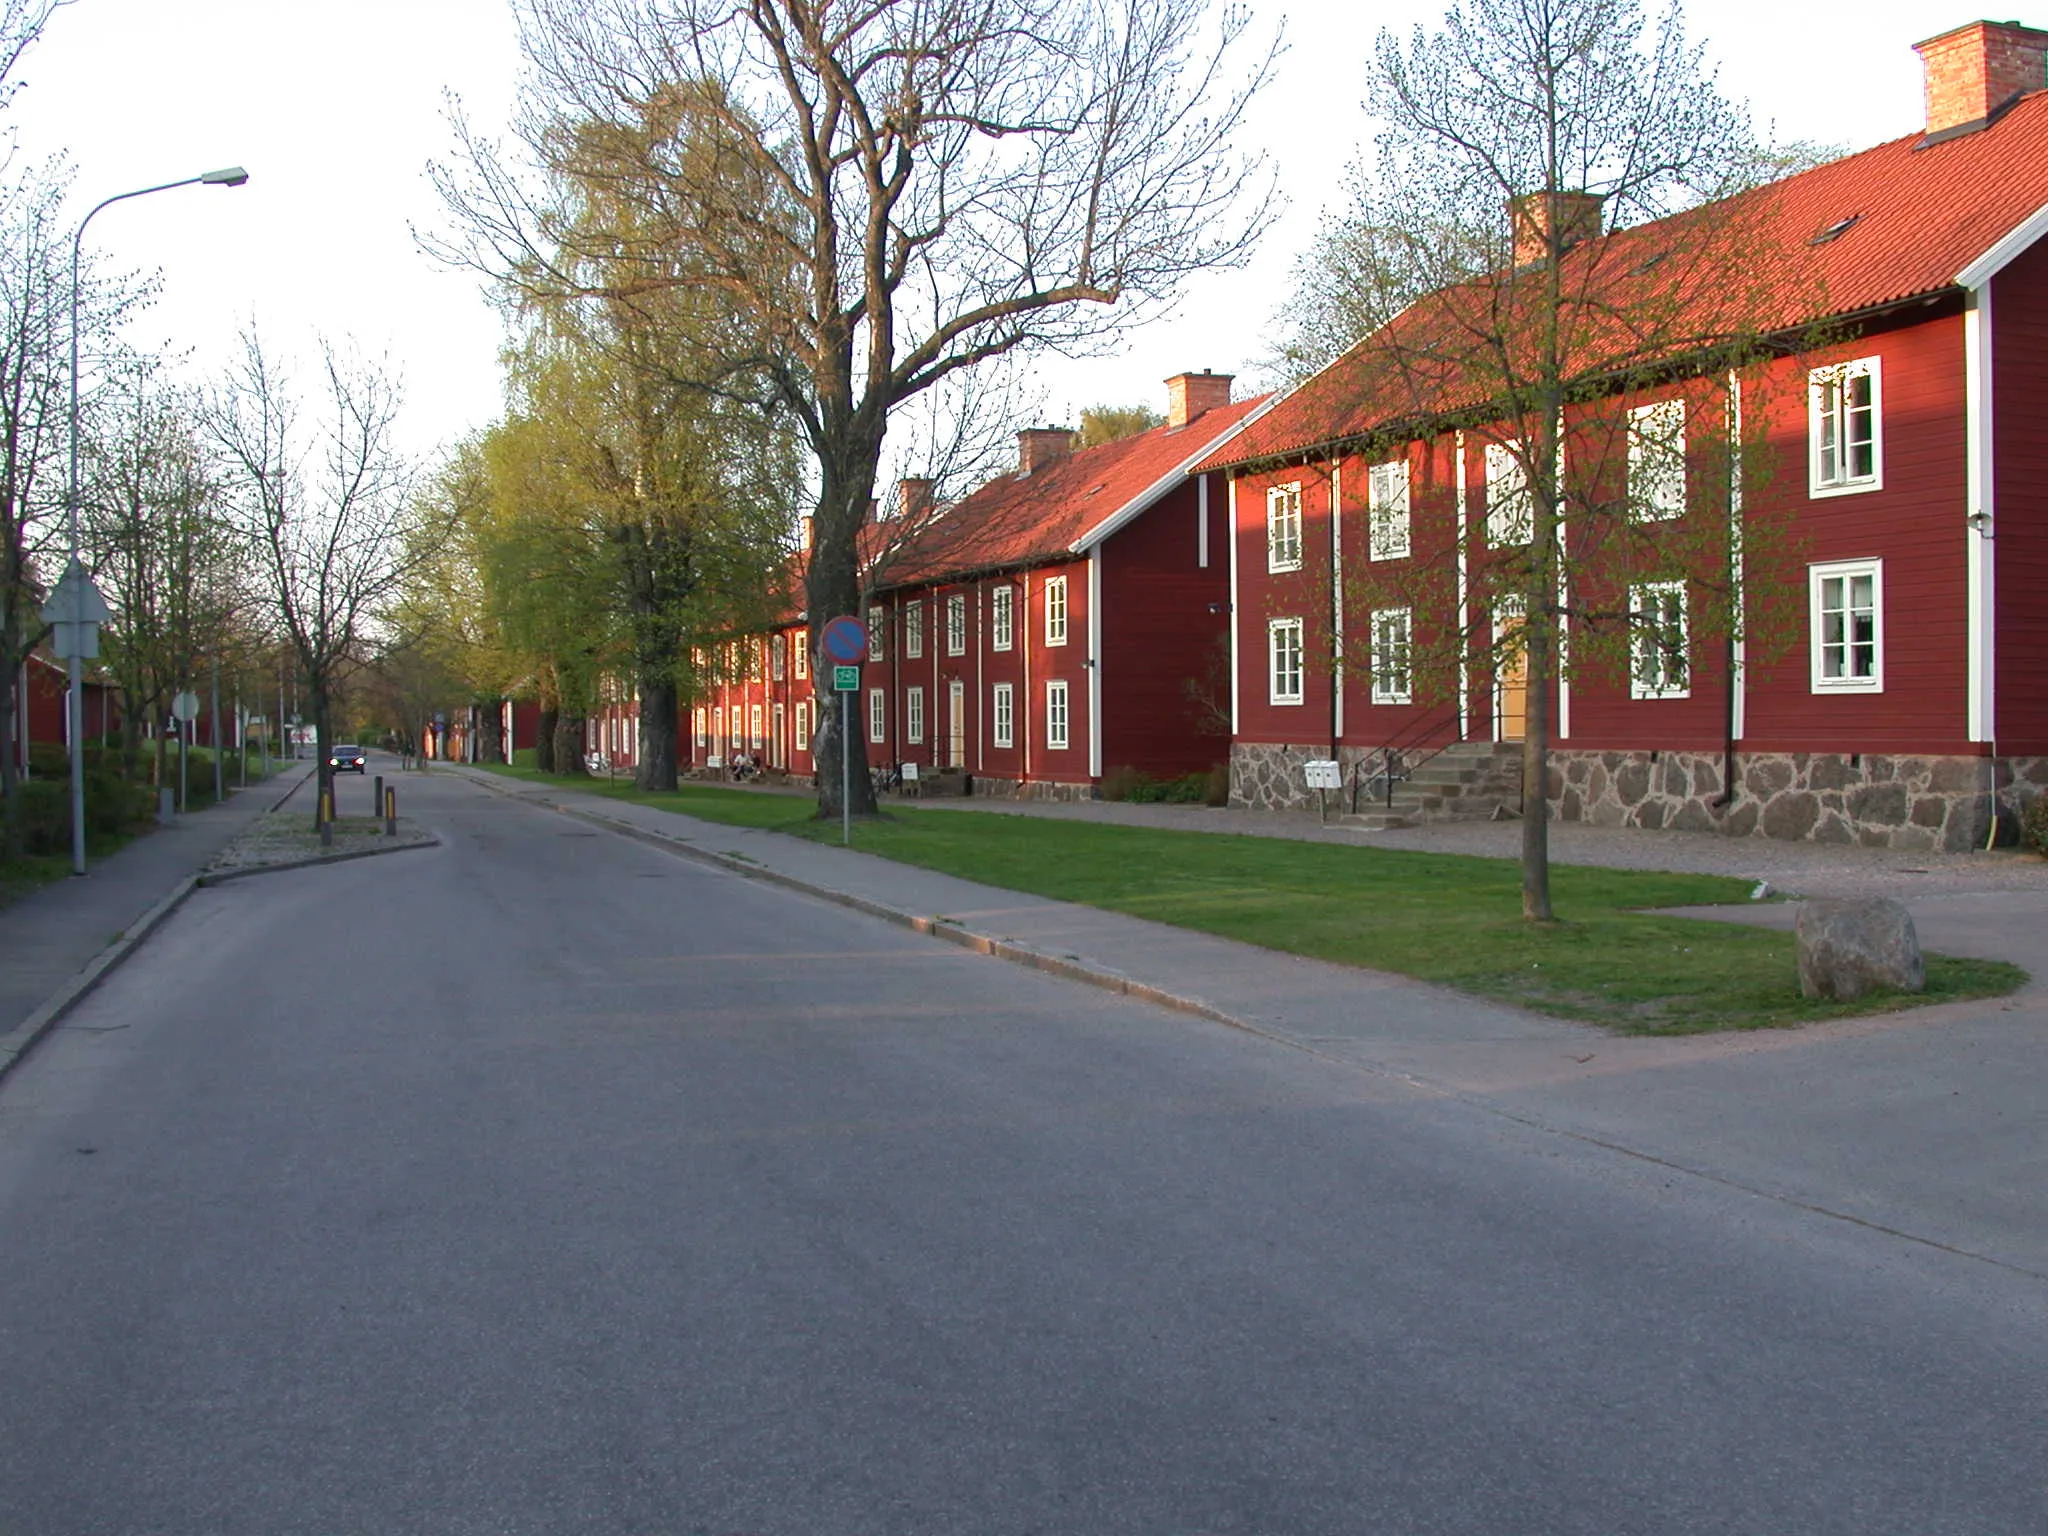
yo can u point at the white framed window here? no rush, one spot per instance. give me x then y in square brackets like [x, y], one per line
[1510, 511]
[1393, 652]
[1387, 511]
[717, 725]
[1283, 660]
[1003, 713]
[776, 738]
[1283, 527]
[878, 630]
[778, 649]
[1056, 715]
[700, 724]
[803, 725]
[800, 654]
[1659, 641]
[1002, 615]
[956, 624]
[756, 734]
[757, 660]
[1656, 461]
[878, 716]
[1845, 438]
[1056, 610]
[913, 630]
[913, 716]
[1847, 598]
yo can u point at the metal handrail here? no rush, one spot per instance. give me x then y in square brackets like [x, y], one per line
[1396, 761]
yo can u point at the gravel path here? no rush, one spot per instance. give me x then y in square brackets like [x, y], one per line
[286, 839]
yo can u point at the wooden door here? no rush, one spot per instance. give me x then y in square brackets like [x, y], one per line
[956, 725]
[1511, 679]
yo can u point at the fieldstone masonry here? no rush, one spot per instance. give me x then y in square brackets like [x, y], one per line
[1913, 804]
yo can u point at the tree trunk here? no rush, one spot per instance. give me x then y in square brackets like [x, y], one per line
[323, 746]
[657, 769]
[569, 744]
[544, 739]
[490, 735]
[10, 777]
[833, 590]
[1536, 776]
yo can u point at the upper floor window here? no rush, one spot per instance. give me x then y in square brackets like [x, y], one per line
[1656, 461]
[913, 716]
[778, 649]
[1005, 718]
[956, 624]
[1510, 513]
[800, 654]
[1056, 610]
[1659, 643]
[1283, 661]
[1056, 715]
[1847, 600]
[1844, 428]
[1393, 647]
[877, 631]
[1283, 527]
[1387, 511]
[1002, 616]
[913, 631]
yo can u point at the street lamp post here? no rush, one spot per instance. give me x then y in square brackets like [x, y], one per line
[232, 176]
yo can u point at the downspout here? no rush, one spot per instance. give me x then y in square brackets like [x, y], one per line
[1979, 525]
[1025, 706]
[1230, 546]
[1464, 599]
[1095, 663]
[1732, 725]
[980, 711]
[1336, 479]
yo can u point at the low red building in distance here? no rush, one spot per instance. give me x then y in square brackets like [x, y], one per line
[1904, 701]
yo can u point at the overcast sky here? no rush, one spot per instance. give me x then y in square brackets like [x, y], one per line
[337, 106]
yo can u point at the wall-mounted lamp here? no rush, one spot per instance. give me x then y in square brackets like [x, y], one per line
[1980, 522]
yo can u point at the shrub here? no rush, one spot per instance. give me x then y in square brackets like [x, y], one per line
[1216, 785]
[2034, 825]
[1122, 784]
[1143, 789]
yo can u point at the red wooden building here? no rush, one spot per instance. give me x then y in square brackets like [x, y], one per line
[1061, 623]
[1908, 697]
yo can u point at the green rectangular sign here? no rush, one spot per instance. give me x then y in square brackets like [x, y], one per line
[846, 679]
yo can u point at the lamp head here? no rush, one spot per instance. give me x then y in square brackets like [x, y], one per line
[233, 176]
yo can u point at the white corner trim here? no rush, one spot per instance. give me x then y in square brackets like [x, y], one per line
[1230, 549]
[1980, 522]
[1166, 482]
[1094, 664]
[2005, 250]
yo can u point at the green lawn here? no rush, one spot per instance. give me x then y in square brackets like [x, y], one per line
[1439, 918]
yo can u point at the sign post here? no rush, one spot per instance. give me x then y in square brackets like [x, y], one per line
[184, 710]
[845, 640]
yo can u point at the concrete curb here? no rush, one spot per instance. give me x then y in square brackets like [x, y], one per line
[223, 876]
[1065, 967]
[16, 1043]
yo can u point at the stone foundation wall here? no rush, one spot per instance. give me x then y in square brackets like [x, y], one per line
[1914, 804]
[1010, 789]
[1267, 776]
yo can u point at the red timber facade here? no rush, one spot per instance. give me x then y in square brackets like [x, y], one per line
[1044, 632]
[1904, 699]
[39, 696]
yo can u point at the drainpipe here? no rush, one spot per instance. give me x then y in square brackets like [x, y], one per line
[1336, 485]
[1727, 796]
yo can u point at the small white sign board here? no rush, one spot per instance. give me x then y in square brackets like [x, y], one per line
[1323, 773]
[910, 773]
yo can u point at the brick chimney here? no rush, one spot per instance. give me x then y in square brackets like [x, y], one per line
[1040, 446]
[913, 498]
[1532, 216]
[1188, 395]
[1977, 71]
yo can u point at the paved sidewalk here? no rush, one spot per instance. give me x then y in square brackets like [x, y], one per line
[1927, 1122]
[50, 937]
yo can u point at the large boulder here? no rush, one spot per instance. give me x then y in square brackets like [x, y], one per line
[1848, 949]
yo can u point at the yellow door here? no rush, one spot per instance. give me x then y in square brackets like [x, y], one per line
[1511, 674]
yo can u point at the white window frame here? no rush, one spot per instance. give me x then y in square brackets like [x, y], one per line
[878, 716]
[1651, 661]
[913, 630]
[1656, 461]
[1827, 419]
[1388, 488]
[778, 651]
[1055, 610]
[878, 630]
[800, 655]
[1510, 508]
[1002, 617]
[1393, 655]
[700, 725]
[1283, 527]
[803, 725]
[1844, 571]
[1003, 715]
[913, 715]
[1284, 666]
[1058, 720]
[956, 624]
[757, 735]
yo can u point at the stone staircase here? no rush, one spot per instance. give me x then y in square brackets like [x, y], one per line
[1466, 781]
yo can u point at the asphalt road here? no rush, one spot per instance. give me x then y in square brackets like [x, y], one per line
[544, 1182]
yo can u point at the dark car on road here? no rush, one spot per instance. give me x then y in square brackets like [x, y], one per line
[346, 760]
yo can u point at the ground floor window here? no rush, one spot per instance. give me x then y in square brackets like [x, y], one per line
[913, 715]
[1658, 644]
[1003, 712]
[756, 736]
[1283, 661]
[878, 716]
[702, 726]
[1847, 598]
[1055, 715]
[1393, 647]
[803, 726]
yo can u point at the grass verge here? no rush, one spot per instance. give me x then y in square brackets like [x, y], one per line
[1448, 919]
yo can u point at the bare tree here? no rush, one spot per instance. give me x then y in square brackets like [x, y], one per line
[328, 503]
[927, 188]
